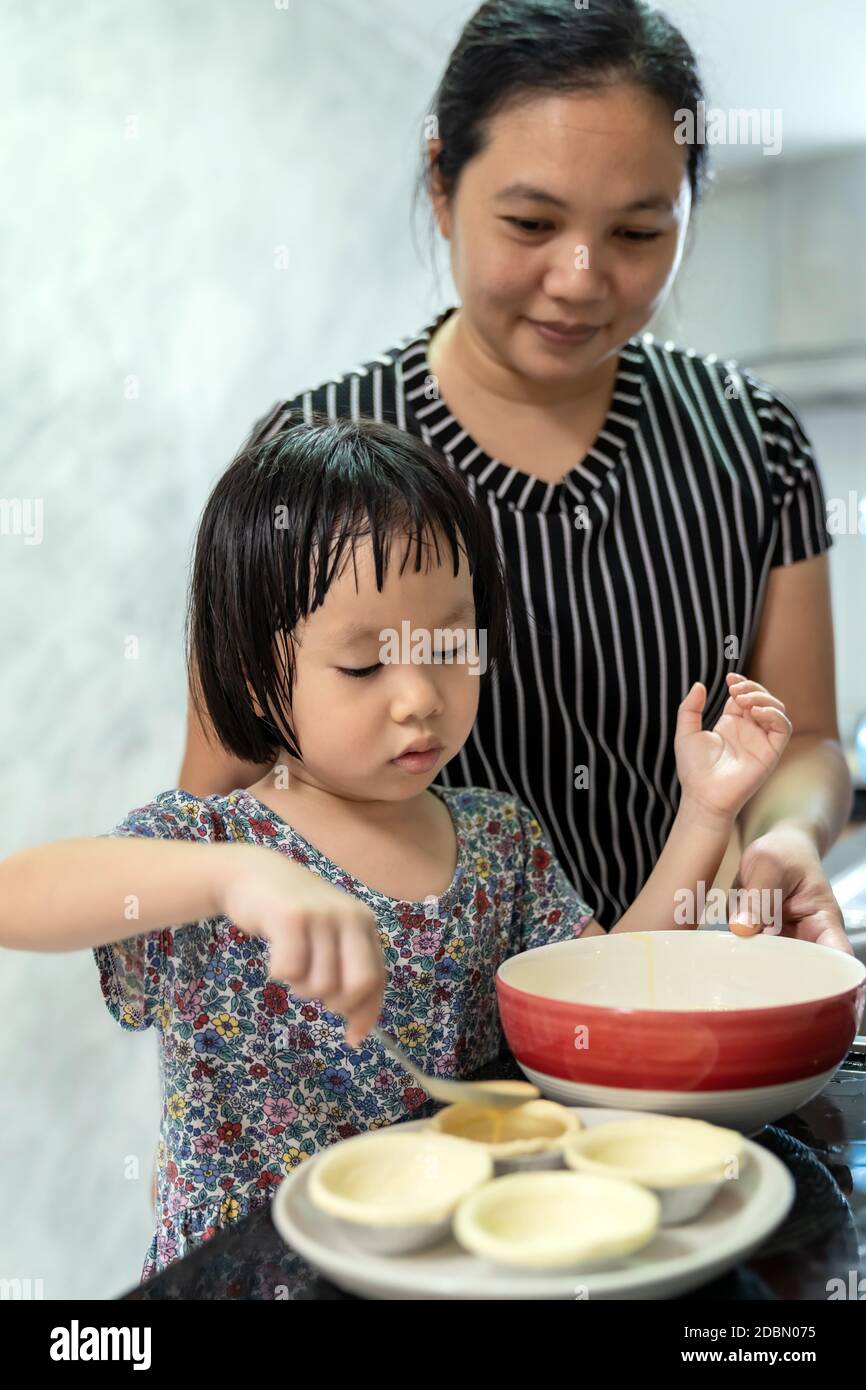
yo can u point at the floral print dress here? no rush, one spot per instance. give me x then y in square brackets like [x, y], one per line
[255, 1080]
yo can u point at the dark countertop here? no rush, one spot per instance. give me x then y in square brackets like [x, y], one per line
[823, 1145]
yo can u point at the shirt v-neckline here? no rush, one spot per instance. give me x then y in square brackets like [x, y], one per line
[517, 489]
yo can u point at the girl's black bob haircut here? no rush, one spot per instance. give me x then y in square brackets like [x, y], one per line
[274, 534]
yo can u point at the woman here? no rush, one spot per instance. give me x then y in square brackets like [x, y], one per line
[661, 513]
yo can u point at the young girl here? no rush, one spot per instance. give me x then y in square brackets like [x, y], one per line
[247, 927]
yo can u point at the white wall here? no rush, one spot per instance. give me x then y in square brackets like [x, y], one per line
[151, 256]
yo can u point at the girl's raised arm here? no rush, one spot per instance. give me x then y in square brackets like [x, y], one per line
[719, 769]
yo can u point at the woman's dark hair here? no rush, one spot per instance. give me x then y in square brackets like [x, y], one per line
[511, 48]
[270, 543]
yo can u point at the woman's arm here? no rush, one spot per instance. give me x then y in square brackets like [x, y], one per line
[793, 819]
[811, 788]
[207, 768]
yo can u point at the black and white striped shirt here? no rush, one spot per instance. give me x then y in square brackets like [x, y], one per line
[640, 572]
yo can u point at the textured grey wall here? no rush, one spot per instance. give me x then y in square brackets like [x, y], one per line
[160, 154]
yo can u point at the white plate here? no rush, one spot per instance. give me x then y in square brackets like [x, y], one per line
[679, 1258]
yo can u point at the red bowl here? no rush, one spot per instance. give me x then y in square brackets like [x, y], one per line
[682, 1021]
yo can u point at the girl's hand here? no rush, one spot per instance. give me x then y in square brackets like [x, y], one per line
[720, 768]
[324, 943]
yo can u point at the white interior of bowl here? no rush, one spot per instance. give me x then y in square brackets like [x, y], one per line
[683, 970]
[540, 1218]
[391, 1177]
[660, 1151]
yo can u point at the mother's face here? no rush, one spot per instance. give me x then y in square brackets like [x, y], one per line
[582, 253]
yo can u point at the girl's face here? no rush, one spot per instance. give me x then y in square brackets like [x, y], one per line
[351, 726]
[575, 213]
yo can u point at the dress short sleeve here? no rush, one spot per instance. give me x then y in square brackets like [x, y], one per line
[795, 482]
[266, 426]
[547, 907]
[134, 973]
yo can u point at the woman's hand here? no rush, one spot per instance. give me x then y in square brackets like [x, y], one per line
[323, 942]
[785, 859]
[720, 768]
